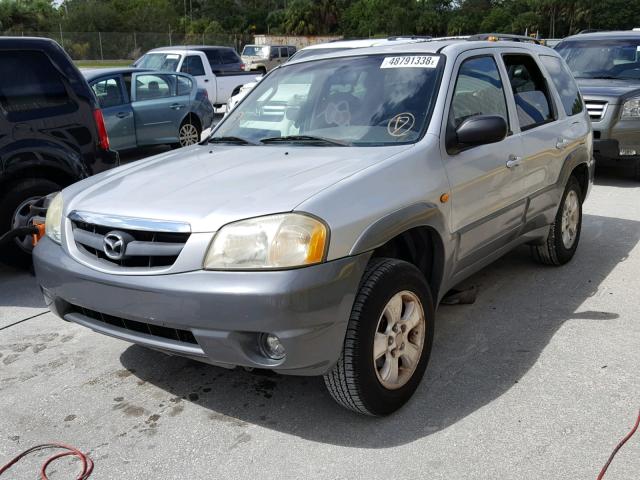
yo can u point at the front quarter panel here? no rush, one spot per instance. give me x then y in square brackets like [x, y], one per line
[371, 207]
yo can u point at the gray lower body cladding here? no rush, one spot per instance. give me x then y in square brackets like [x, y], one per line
[215, 317]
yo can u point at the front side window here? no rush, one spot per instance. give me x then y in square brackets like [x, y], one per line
[602, 58]
[159, 61]
[372, 100]
[530, 92]
[193, 65]
[34, 83]
[108, 92]
[564, 83]
[284, 52]
[151, 87]
[478, 91]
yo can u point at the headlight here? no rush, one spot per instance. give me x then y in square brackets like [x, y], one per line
[631, 108]
[271, 242]
[53, 220]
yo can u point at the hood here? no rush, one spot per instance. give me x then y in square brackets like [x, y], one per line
[608, 88]
[210, 186]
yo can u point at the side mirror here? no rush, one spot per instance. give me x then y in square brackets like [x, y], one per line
[480, 130]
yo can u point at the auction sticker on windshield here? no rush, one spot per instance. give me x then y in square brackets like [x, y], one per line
[410, 61]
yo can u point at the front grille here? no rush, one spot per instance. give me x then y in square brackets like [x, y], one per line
[176, 334]
[596, 109]
[143, 248]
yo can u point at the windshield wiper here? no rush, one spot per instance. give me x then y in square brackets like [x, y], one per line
[235, 140]
[310, 139]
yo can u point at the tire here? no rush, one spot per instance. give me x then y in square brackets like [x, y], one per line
[555, 250]
[18, 195]
[189, 132]
[636, 171]
[262, 70]
[357, 380]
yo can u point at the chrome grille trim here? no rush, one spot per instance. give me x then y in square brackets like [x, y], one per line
[130, 223]
[596, 109]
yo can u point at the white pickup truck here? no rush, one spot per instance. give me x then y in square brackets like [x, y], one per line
[218, 70]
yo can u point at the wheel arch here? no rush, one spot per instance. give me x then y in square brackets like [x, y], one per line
[193, 117]
[413, 234]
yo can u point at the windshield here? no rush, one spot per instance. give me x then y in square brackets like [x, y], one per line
[159, 61]
[372, 100]
[609, 59]
[255, 51]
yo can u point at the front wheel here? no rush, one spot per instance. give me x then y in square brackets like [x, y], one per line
[388, 340]
[562, 241]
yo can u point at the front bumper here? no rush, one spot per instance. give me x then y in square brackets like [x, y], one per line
[307, 308]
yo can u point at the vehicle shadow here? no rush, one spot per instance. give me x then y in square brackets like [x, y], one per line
[480, 352]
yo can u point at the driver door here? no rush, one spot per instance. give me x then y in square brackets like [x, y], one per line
[487, 206]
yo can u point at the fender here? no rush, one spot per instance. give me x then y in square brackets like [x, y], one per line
[29, 154]
[421, 214]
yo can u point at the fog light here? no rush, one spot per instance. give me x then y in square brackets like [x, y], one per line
[272, 346]
[628, 151]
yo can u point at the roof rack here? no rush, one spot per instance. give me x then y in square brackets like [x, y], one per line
[505, 37]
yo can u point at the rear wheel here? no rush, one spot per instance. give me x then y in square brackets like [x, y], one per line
[636, 171]
[388, 340]
[562, 241]
[189, 132]
[15, 212]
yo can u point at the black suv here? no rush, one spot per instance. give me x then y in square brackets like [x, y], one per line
[52, 132]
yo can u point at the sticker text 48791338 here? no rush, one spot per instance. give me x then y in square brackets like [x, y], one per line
[410, 61]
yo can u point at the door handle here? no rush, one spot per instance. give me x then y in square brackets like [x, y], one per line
[122, 114]
[513, 161]
[206, 80]
[176, 106]
[562, 143]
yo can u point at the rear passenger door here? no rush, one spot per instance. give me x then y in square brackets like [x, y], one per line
[157, 110]
[117, 111]
[544, 129]
[486, 208]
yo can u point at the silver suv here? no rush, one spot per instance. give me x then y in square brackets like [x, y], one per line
[320, 225]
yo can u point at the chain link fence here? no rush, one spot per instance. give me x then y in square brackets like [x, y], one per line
[130, 45]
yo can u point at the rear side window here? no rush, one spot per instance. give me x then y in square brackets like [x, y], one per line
[533, 101]
[284, 52]
[150, 87]
[184, 85]
[229, 56]
[193, 65]
[34, 84]
[564, 83]
[478, 91]
[292, 50]
[108, 92]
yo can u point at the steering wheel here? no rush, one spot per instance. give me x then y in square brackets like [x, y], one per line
[339, 109]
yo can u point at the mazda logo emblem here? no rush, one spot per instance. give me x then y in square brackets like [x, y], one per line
[114, 245]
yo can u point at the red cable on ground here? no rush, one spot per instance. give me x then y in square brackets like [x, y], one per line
[618, 447]
[87, 463]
